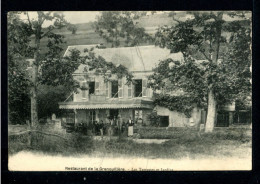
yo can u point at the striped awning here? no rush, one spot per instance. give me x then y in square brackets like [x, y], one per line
[133, 104]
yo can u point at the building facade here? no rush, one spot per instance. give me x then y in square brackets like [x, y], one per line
[98, 99]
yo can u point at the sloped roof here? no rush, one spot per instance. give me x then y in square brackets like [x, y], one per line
[139, 58]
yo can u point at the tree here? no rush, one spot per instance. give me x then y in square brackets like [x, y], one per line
[49, 68]
[222, 40]
[72, 28]
[37, 33]
[24, 41]
[48, 99]
[18, 84]
[121, 26]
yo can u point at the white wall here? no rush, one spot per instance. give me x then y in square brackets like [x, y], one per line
[177, 119]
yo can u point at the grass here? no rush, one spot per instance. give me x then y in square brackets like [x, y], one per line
[185, 143]
[192, 146]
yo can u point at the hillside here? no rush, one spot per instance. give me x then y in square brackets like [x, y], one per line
[86, 35]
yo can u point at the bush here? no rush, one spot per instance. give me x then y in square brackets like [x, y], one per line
[17, 143]
[80, 143]
[82, 128]
[238, 134]
[47, 143]
[154, 119]
[164, 133]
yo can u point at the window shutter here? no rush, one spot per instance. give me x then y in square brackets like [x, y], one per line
[129, 90]
[150, 92]
[84, 85]
[96, 87]
[107, 89]
[120, 88]
[144, 86]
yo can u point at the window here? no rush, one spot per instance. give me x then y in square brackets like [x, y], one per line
[138, 114]
[129, 90]
[164, 121]
[114, 91]
[138, 88]
[120, 88]
[70, 117]
[91, 88]
[92, 116]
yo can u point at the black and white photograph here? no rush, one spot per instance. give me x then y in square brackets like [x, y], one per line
[129, 90]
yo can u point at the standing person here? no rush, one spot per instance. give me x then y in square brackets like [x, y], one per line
[123, 127]
[114, 125]
[106, 126]
[94, 127]
[119, 125]
[100, 127]
[109, 129]
[97, 126]
[130, 127]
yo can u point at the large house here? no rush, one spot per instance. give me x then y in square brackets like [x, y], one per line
[98, 99]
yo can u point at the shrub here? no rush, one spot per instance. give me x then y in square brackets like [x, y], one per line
[154, 119]
[163, 133]
[17, 143]
[80, 143]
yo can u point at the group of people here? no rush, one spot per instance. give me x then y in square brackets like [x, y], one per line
[114, 126]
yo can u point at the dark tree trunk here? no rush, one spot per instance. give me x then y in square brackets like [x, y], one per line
[34, 108]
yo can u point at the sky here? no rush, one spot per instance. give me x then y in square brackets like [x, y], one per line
[76, 17]
[73, 17]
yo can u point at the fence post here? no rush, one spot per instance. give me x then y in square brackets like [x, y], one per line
[29, 138]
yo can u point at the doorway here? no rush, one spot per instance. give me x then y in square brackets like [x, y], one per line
[164, 121]
[113, 113]
[222, 119]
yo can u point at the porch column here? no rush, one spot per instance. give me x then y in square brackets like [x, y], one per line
[76, 117]
[97, 115]
[230, 118]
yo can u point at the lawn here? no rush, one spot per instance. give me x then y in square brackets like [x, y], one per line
[219, 144]
[225, 142]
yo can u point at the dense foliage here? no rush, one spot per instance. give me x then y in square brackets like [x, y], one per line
[188, 77]
[121, 26]
[183, 104]
[216, 59]
[154, 118]
[18, 82]
[106, 69]
[48, 99]
[72, 28]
